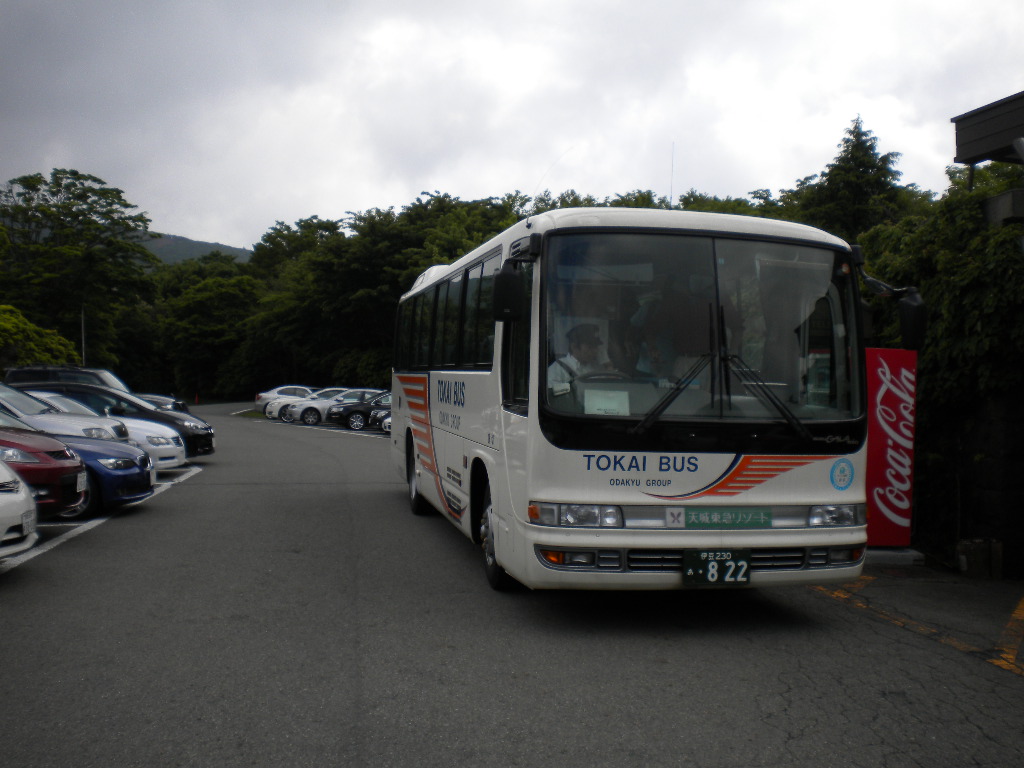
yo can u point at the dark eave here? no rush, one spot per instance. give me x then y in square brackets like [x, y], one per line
[988, 133]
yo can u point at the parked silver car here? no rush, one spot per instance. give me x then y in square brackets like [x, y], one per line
[46, 418]
[313, 411]
[278, 409]
[288, 390]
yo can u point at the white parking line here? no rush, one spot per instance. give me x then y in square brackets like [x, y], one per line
[353, 432]
[14, 562]
[80, 528]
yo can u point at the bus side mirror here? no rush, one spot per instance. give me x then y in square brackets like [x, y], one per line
[913, 320]
[509, 293]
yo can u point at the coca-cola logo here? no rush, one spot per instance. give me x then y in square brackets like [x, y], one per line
[894, 418]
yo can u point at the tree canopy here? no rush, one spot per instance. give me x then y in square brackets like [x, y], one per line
[73, 256]
[316, 301]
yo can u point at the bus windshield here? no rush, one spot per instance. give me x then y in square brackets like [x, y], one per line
[681, 327]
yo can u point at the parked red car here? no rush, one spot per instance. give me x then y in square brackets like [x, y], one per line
[55, 473]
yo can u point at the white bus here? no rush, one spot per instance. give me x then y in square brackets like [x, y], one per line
[618, 398]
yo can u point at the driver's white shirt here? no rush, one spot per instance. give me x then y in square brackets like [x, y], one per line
[567, 368]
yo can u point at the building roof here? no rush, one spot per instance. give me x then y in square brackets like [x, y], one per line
[988, 133]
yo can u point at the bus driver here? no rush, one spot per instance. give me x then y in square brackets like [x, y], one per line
[583, 357]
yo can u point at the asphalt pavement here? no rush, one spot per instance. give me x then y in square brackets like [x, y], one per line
[281, 606]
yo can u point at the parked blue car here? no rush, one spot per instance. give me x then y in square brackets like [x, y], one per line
[118, 474]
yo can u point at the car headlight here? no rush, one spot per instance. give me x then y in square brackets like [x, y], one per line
[576, 515]
[97, 432]
[158, 440]
[111, 463]
[17, 455]
[828, 515]
[194, 425]
[10, 486]
[335, 408]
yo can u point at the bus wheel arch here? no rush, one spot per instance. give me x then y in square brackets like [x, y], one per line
[417, 503]
[483, 528]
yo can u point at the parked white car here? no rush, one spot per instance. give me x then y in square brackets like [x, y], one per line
[288, 390]
[17, 514]
[278, 409]
[164, 445]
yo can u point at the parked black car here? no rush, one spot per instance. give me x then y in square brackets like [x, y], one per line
[197, 434]
[361, 415]
[101, 376]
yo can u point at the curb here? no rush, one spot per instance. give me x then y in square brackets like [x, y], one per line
[890, 556]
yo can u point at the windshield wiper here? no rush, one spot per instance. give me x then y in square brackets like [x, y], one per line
[753, 381]
[669, 397]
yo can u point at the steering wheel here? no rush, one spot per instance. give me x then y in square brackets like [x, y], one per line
[603, 376]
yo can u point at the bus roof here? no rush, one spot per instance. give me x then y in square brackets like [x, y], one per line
[697, 222]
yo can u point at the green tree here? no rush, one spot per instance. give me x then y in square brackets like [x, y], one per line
[203, 329]
[22, 342]
[75, 256]
[284, 244]
[639, 198]
[696, 201]
[856, 192]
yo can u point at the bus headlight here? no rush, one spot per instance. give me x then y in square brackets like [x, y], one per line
[576, 515]
[827, 515]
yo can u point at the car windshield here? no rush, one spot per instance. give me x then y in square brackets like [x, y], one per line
[668, 326]
[66, 404]
[23, 403]
[327, 394]
[101, 401]
[9, 422]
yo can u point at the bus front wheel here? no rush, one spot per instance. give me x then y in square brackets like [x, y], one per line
[496, 575]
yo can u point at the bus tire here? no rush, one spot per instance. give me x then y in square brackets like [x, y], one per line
[417, 503]
[497, 577]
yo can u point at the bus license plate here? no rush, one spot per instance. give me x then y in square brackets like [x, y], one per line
[716, 567]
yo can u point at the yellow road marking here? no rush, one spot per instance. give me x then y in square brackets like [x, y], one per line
[1010, 641]
[1005, 652]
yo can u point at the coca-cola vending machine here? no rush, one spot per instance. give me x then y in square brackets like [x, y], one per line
[892, 376]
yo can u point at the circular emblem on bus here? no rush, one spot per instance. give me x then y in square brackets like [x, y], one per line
[842, 474]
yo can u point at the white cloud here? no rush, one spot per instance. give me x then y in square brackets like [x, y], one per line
[219, 119]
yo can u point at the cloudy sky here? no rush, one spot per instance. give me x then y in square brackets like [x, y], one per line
[220, 117]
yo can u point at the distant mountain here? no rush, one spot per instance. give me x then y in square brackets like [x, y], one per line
[171, 249]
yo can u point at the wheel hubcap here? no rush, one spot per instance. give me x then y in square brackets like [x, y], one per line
[486, 542]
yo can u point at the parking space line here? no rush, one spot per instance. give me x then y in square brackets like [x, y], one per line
[1010, 641]
[80, 528]
[14, 562]
[1003, 655]
[847, 590]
